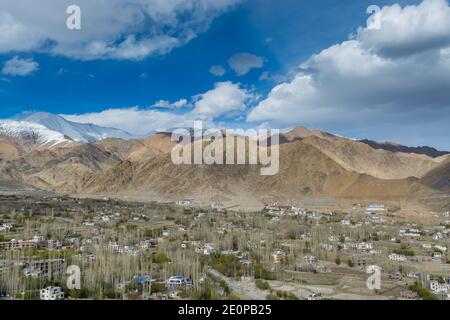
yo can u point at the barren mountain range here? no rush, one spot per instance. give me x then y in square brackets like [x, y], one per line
[313, 165]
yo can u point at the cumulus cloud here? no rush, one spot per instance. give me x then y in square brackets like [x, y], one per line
[167, 104]
[217, 71]
[19, 67]
[114, 29]
[388, 82]
[242, 63]
[134, 120]
[225, 99]
[410, 30]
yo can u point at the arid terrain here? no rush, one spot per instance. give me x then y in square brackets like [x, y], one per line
[313, 165]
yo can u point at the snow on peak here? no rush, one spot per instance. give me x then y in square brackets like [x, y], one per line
[82, 132]
[32, 132]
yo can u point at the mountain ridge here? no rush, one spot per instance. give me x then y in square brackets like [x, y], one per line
[81, 132]
[313, 164]
[394, 147]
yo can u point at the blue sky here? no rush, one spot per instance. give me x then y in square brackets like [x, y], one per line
[283, 33]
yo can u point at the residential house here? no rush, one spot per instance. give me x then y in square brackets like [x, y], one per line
[18, 244]
[409, 295]
[364, 246]
[185, 202]
[51, 293]
[6, 227]
[205, 249]
[315, 296]
[438, 236]
[397, 257]
[217, 206]
[177, 282]
[437, 287]
[413, 274]
[310, 259]
[375, 208]
[50, 268]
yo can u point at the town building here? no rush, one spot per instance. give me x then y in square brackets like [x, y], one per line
[375, 208]
[51, 293]
[397, 257]
[177, 282]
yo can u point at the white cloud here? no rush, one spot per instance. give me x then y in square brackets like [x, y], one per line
[242, 63]
[113, 29]
[134, 120]
[391, 82]
[226, 98]
[19, 67]
[217, 71]
[180, 103]
[167, 104]
[408, 30]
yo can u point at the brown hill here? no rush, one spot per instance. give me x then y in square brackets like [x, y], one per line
[439, 178]
[9, 150]
[313, 164]
[120, 148]
[305, 172]
[66, 170]
[361, 158]
[156, 145]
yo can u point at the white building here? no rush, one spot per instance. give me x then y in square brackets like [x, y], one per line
[6, 227]
[185, 202]
[217, 206]
[315, 296]
[52, 293]
[177, 282]
[310, 259]
[205, 249]
[374, 208]
[397, 257]
[333, 238]
[413, 274]
[365, 246]
[438, 236]
[326, 247]
[437, 287]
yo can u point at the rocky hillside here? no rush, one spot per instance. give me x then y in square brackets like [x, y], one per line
[313, 164]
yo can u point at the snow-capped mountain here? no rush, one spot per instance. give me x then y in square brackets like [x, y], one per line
[32, 133]
[81, 132]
